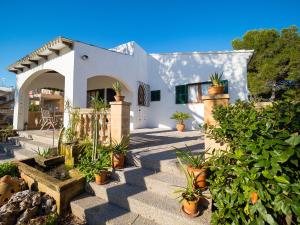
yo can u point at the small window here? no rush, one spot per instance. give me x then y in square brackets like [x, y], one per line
[181, 94]
[155, 96]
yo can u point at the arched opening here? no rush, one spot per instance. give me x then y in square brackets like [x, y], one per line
[41, 95]
[101, 86]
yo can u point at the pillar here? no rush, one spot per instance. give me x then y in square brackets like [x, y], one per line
[209, 103]
[120, 120]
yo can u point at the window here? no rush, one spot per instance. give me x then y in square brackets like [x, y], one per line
[110, 93]
[192, 93]
[155, 96]
[181, 94]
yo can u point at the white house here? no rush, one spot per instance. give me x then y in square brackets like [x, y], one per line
[155, 84]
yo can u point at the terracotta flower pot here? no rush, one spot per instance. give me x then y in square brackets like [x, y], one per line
[190, 207]
[118, 161]
[216, 90]
[180, 127]
[101, 177]
[200, 177]
[119, 98]
[254, 197]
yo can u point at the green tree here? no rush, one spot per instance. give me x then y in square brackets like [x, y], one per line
[276, 58]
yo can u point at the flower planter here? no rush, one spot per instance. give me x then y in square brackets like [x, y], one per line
[119, 98]
[101, 177]
[200, 177]
[190, 207]
[216, 90]
[118, 160]
[180, 127]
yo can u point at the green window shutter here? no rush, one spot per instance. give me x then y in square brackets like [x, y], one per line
[225, 83]
[155, 96]
[181, 94]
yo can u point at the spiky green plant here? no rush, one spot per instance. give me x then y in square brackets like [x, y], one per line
[195, 160]
[122, 146]
[189, 192]
[216, 79]
[117, 87]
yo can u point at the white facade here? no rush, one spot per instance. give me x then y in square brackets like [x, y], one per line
[79, 67]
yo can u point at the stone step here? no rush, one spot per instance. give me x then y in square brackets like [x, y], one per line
[154, 162]
[22, 153]
[13, 152]
[40, 136]
[161, 183]
[161, 209]
[30, 144]
[96, 211]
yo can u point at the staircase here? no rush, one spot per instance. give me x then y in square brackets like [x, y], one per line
[28, 143]
[140, 194]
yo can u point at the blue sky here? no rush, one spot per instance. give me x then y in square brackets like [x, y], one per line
[157, 25]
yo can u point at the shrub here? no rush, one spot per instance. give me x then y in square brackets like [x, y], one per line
[261, 162]
[9, 168]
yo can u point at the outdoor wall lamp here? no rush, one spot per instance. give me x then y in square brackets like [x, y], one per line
[84, 57]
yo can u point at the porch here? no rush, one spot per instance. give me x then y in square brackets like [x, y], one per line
[155, 144]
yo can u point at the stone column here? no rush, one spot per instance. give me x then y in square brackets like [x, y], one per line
[119, 120]
[209, 103]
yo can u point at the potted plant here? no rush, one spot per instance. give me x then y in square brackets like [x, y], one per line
[195, 165]
[217, 86]
[119, 150]
[118, 89]
[94, 170]
[189, 195]
[101, 166]
[180, 117]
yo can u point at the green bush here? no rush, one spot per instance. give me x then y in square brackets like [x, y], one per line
[9, 168]
[263, 158]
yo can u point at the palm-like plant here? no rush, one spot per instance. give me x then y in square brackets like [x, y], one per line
[180, 117]
[216, 79]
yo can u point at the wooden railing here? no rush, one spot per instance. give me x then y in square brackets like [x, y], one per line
[86, 124]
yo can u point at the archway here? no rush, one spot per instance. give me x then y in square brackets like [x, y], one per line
[42, 89]
[102, 86]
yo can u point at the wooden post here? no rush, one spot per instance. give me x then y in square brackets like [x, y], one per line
[120, 120]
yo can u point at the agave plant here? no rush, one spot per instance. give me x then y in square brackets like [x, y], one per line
[117, 88]
[216, 79]
[122, 146]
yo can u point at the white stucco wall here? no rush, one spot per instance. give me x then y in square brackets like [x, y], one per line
[169, 70]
